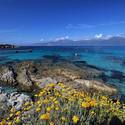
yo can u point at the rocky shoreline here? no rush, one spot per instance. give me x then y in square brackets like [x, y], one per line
[33, 75]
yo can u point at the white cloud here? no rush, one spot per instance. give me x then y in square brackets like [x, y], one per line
[98, 36]
[62, 38]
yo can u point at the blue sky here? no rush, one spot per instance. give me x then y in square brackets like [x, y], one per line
[44, 20]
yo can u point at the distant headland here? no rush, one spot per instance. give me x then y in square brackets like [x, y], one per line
[7, 46]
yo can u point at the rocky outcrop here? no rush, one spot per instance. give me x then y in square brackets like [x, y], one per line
[30, 75]
[14, 100]
[24, 80]
[17, 100]
[96, 85]
[7, 75]
[42, 82]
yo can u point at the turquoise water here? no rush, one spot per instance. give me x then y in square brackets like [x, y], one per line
[110, 59]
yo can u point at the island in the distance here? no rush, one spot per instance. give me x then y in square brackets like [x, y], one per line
[7, 46]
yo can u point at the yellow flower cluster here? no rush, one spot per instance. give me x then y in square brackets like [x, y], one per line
[45, 116]
[67, 106]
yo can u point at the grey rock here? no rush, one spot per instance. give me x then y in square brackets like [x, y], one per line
[43, 82]
[14, 100]
[1, 90]
[24, 80]
[7, 75]
[3, 98]
[96, 85]
[17, 100]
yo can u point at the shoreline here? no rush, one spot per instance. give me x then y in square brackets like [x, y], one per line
[61, 73]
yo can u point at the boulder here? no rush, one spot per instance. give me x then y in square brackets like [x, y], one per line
[24, 80]
[7, 75]
[42, 82]
[3, 98]
[17, 100]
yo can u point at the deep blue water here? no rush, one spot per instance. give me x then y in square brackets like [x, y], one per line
[110, 59]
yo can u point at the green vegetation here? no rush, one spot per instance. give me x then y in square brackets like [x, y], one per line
[7, 46]
[61, 105]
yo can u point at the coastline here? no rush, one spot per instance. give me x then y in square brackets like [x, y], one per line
[31, 77]
[35, 74]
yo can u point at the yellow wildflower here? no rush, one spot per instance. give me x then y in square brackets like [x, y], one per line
[70, 99]
[92, 112]
[94, 103]
[52, 106]
[31, 103]
[88, 99]
[38, 109]
[39, 105]
[28, 107]
[57, 93]
[35, 95]
[11, 115]
[45, 116]
[56, 102]
[63, 90]
[85, 104]
[8, 118]
[57, 108]
[12, 109]
[75, 119]
[17, 120]
[46, 101]
[3, 122]
[48, 109]
[10, 123]
[104, 98]
[51, 85]
[63, 96]
[18, 113]
[51, 123]
[38, 102]
[70, 88]
[27, 103]
[54, 89]
[63, 118]
[52, 97]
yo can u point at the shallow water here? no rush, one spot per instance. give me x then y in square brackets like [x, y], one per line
[110, 59]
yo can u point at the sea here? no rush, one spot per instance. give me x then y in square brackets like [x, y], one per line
[111, 59]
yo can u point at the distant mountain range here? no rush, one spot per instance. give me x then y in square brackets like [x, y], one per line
[113, 41]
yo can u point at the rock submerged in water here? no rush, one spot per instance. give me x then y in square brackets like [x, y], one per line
[30, 75]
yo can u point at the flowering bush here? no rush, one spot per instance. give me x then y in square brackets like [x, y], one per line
[61, 105]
